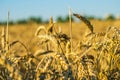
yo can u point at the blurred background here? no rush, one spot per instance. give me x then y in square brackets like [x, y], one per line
[27, 15]
[23, 11]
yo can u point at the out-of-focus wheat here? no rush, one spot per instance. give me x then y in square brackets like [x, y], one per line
[94, 57]
[85, 21]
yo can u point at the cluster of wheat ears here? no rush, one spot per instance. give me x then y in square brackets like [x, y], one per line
[96, 57]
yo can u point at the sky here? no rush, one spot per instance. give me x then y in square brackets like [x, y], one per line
[22, 9]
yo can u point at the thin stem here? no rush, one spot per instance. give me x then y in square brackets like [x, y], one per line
[7, 33]
[70, 21]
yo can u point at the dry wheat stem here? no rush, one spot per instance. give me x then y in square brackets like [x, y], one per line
[39, 64]
[40, 28]
[15, 42]
[7, 32]
[85, 21]
[3, 41]
[83, 54]
[51, 38]
[70, 24]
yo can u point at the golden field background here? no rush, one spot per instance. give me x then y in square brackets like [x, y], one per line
[26, 32]
[49, 56]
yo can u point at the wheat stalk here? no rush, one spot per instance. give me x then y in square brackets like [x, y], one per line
[3, 40]
[70, 21]
[15, 42]
[40, 28]
[50, 27]
[7, 33]
[90, 26]
[50, 38]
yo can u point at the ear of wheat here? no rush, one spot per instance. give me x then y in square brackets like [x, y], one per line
[85, 21]
[50, 27]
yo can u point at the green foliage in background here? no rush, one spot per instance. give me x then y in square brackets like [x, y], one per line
[60, 19]
[110, 17]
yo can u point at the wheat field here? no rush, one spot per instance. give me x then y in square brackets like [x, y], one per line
[90, 50]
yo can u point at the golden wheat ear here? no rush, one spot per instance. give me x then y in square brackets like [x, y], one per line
[87, 22]
[51, 25]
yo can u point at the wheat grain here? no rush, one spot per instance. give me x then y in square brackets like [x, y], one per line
[91, 28]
